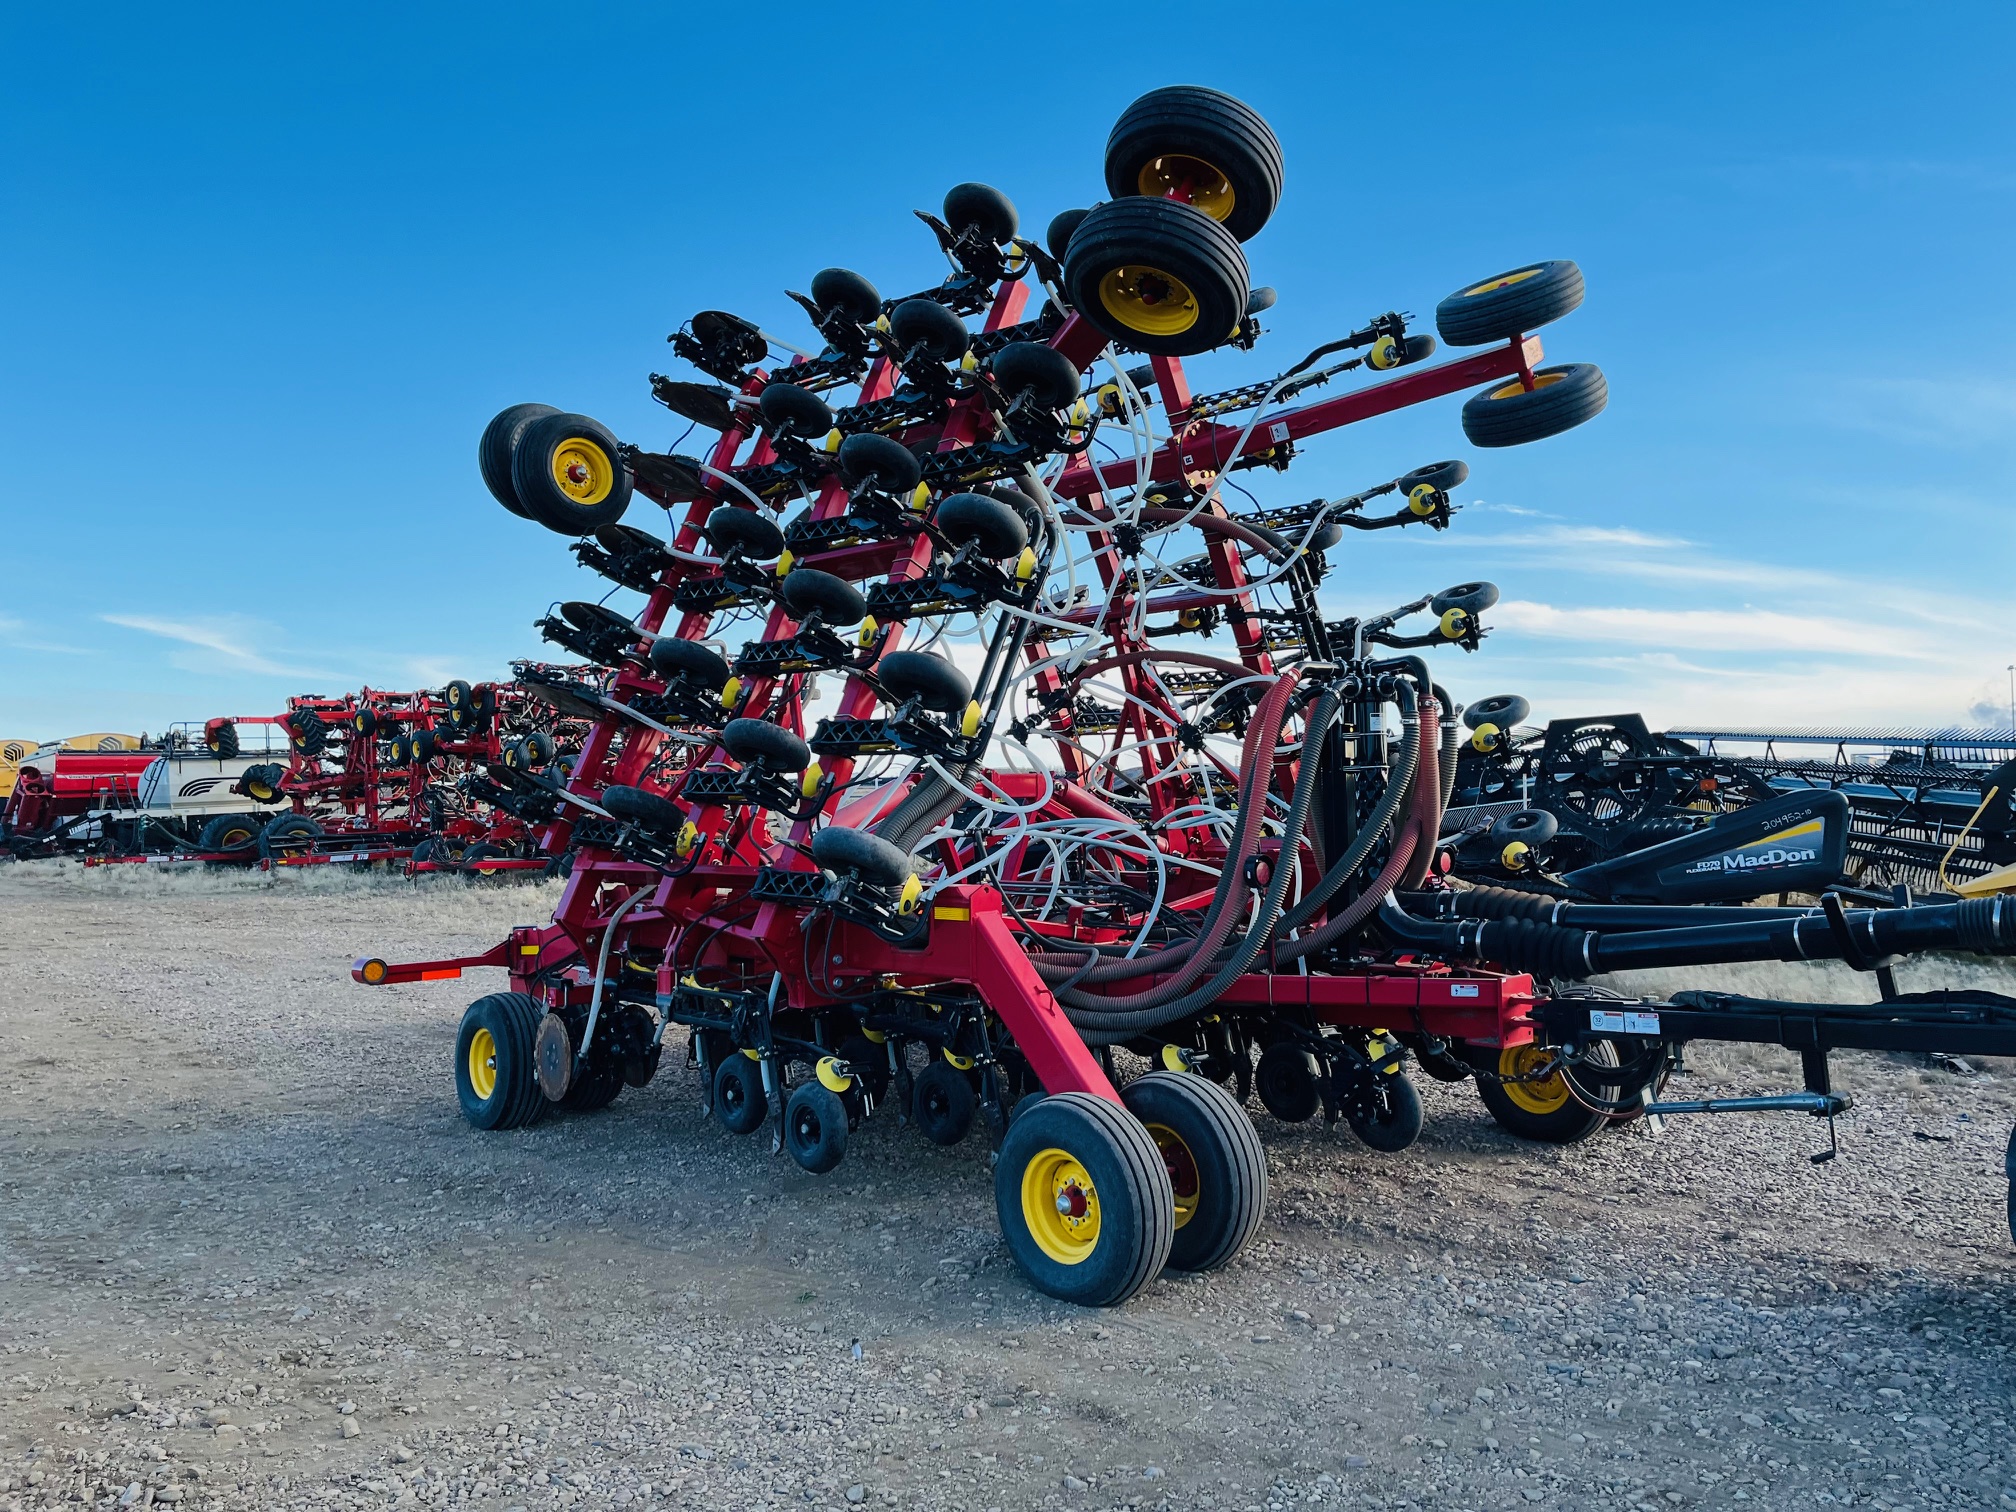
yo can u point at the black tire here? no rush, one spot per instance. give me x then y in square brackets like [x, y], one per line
[420, 745]
[981, 207]
[869, 460]
[1501, 709]
[307, 733]
[848, 292]
[458, 694]
[942, 1100]
[672, 657]
[1441, 476]
[499, 444]
[424, 851]
[1418, 348]
[398, 752]
[1510, 304]
[1030, 366]
[1233, 156]
[758, 743]
[858, 853]
[1389, 1119]
[1290, 1083]
[261, 782]
[1062, 227]
[815, 1127]
[287, 835]
[494, 1080]
[931, 680]
[1471, 598]
[1091, 1153]
[1157, 276]
[365, 722]
[994, 523]
[793, 411]
[869, 1063]
[539, 749]
[1529, 826]
[731, 527]
[597, 484]
[1217, 1168]
[837, 601]
[222, 742]
[229, 833]
[474, 857]
[1545, 1111]
[1511, 415]
[740, 1104]
[927, 328]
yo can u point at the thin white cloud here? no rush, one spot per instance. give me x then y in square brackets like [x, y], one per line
[1751, 631]
[227, 640]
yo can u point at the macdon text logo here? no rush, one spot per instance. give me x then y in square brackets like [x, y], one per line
[1741, 861]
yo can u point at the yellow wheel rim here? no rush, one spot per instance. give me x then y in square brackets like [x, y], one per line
[1505, 281]
[1179, 177]
[1548, 1096]
[1148, 300]
[1183, 1177]
[1060, 1206]
[583, 471]
[482, 1065]
[232, 838]
[1515, 387]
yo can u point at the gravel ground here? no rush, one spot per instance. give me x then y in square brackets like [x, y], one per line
[250, 1256]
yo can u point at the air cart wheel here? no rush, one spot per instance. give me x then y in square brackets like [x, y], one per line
[1504, 710]
[740, 1104]
[856, 852]
[1561, 399]
[1510, 305]
[931, 680]
[495, 450]
[1544, 1110]
[837, 601]
[1084, 1200]
[1217, 1168]
[261, 783]
[1158, 276]
[993, 523]
[943, 1102]
[793, 411]
[1388, 1116]
[1031, 367]
[229, 832]
[928, 326]
[494, 1079]
[871, 461]
[1290, 1083]
[983, 208]
[568, 474]
[815, 1127]
[848, 292]
[288, 835]
[672, 657]
[1202, 146]
[732, 527]
[758, 743]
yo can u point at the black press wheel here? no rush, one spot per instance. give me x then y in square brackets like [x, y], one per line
[852, 852]
[1084, 1200]
[1471, 598]
[1387, 1114]
[867, 460]
[740, 1103]
[1062, 227]
[568, 474]
[932, 680]
[1543, 1110]
[672, 657]
[1209, 148]
[848, 292]
[982, 208]
[733, 528]
[1290, 1083]
[942, 1100]
[1529, 827]
[837, 601]
[815, 1127]
[1503, 710]
[927, 328]
[994, 523]
[496, 448]
[1440, 476]
[1511, 304]
[494, 1080]
[593, 1090]
[1217, 1168]
[1510, 414]
[1159, 276]
[758, 743]
[648, 811]
[1033, 368]
[229, 832]
[793, 411]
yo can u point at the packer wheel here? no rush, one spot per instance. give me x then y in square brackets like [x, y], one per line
[1388, 1117]
[494, 1080]
[943, 1102]
[1542, 1110]
[1290, 1083]
[1217, 1168]
[815, 1127]
[740, 1103]
[1084, 1200]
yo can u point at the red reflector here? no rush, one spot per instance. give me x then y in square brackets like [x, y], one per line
[441, 976]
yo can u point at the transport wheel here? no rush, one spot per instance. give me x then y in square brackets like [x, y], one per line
[993, 523]
[982, 208]
[1031, 367]
[672, 657]
[869, 460]
[931, 680]
[1388, 1117]
[740, 1104]
[495, 449]
[731, 527]
[848, 292]
[1217, 1169]
[815, 1127]
[929, 325]
[1542, 1110]
[229, 832]
[1210, 148]
[790, 410]
[288, 835]
[837, 601]
[943, 1103]
[1511, 415]
[1159, 276]
[1290, 1083]
[1084, 1200]
[568, 474]
[493, 1062]
[1510, 304]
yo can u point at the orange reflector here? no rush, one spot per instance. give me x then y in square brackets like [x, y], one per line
[374, 972]
[442, 975]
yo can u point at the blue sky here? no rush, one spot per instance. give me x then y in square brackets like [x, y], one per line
[270, 270]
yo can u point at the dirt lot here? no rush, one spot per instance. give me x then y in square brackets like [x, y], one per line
[251, 1256]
